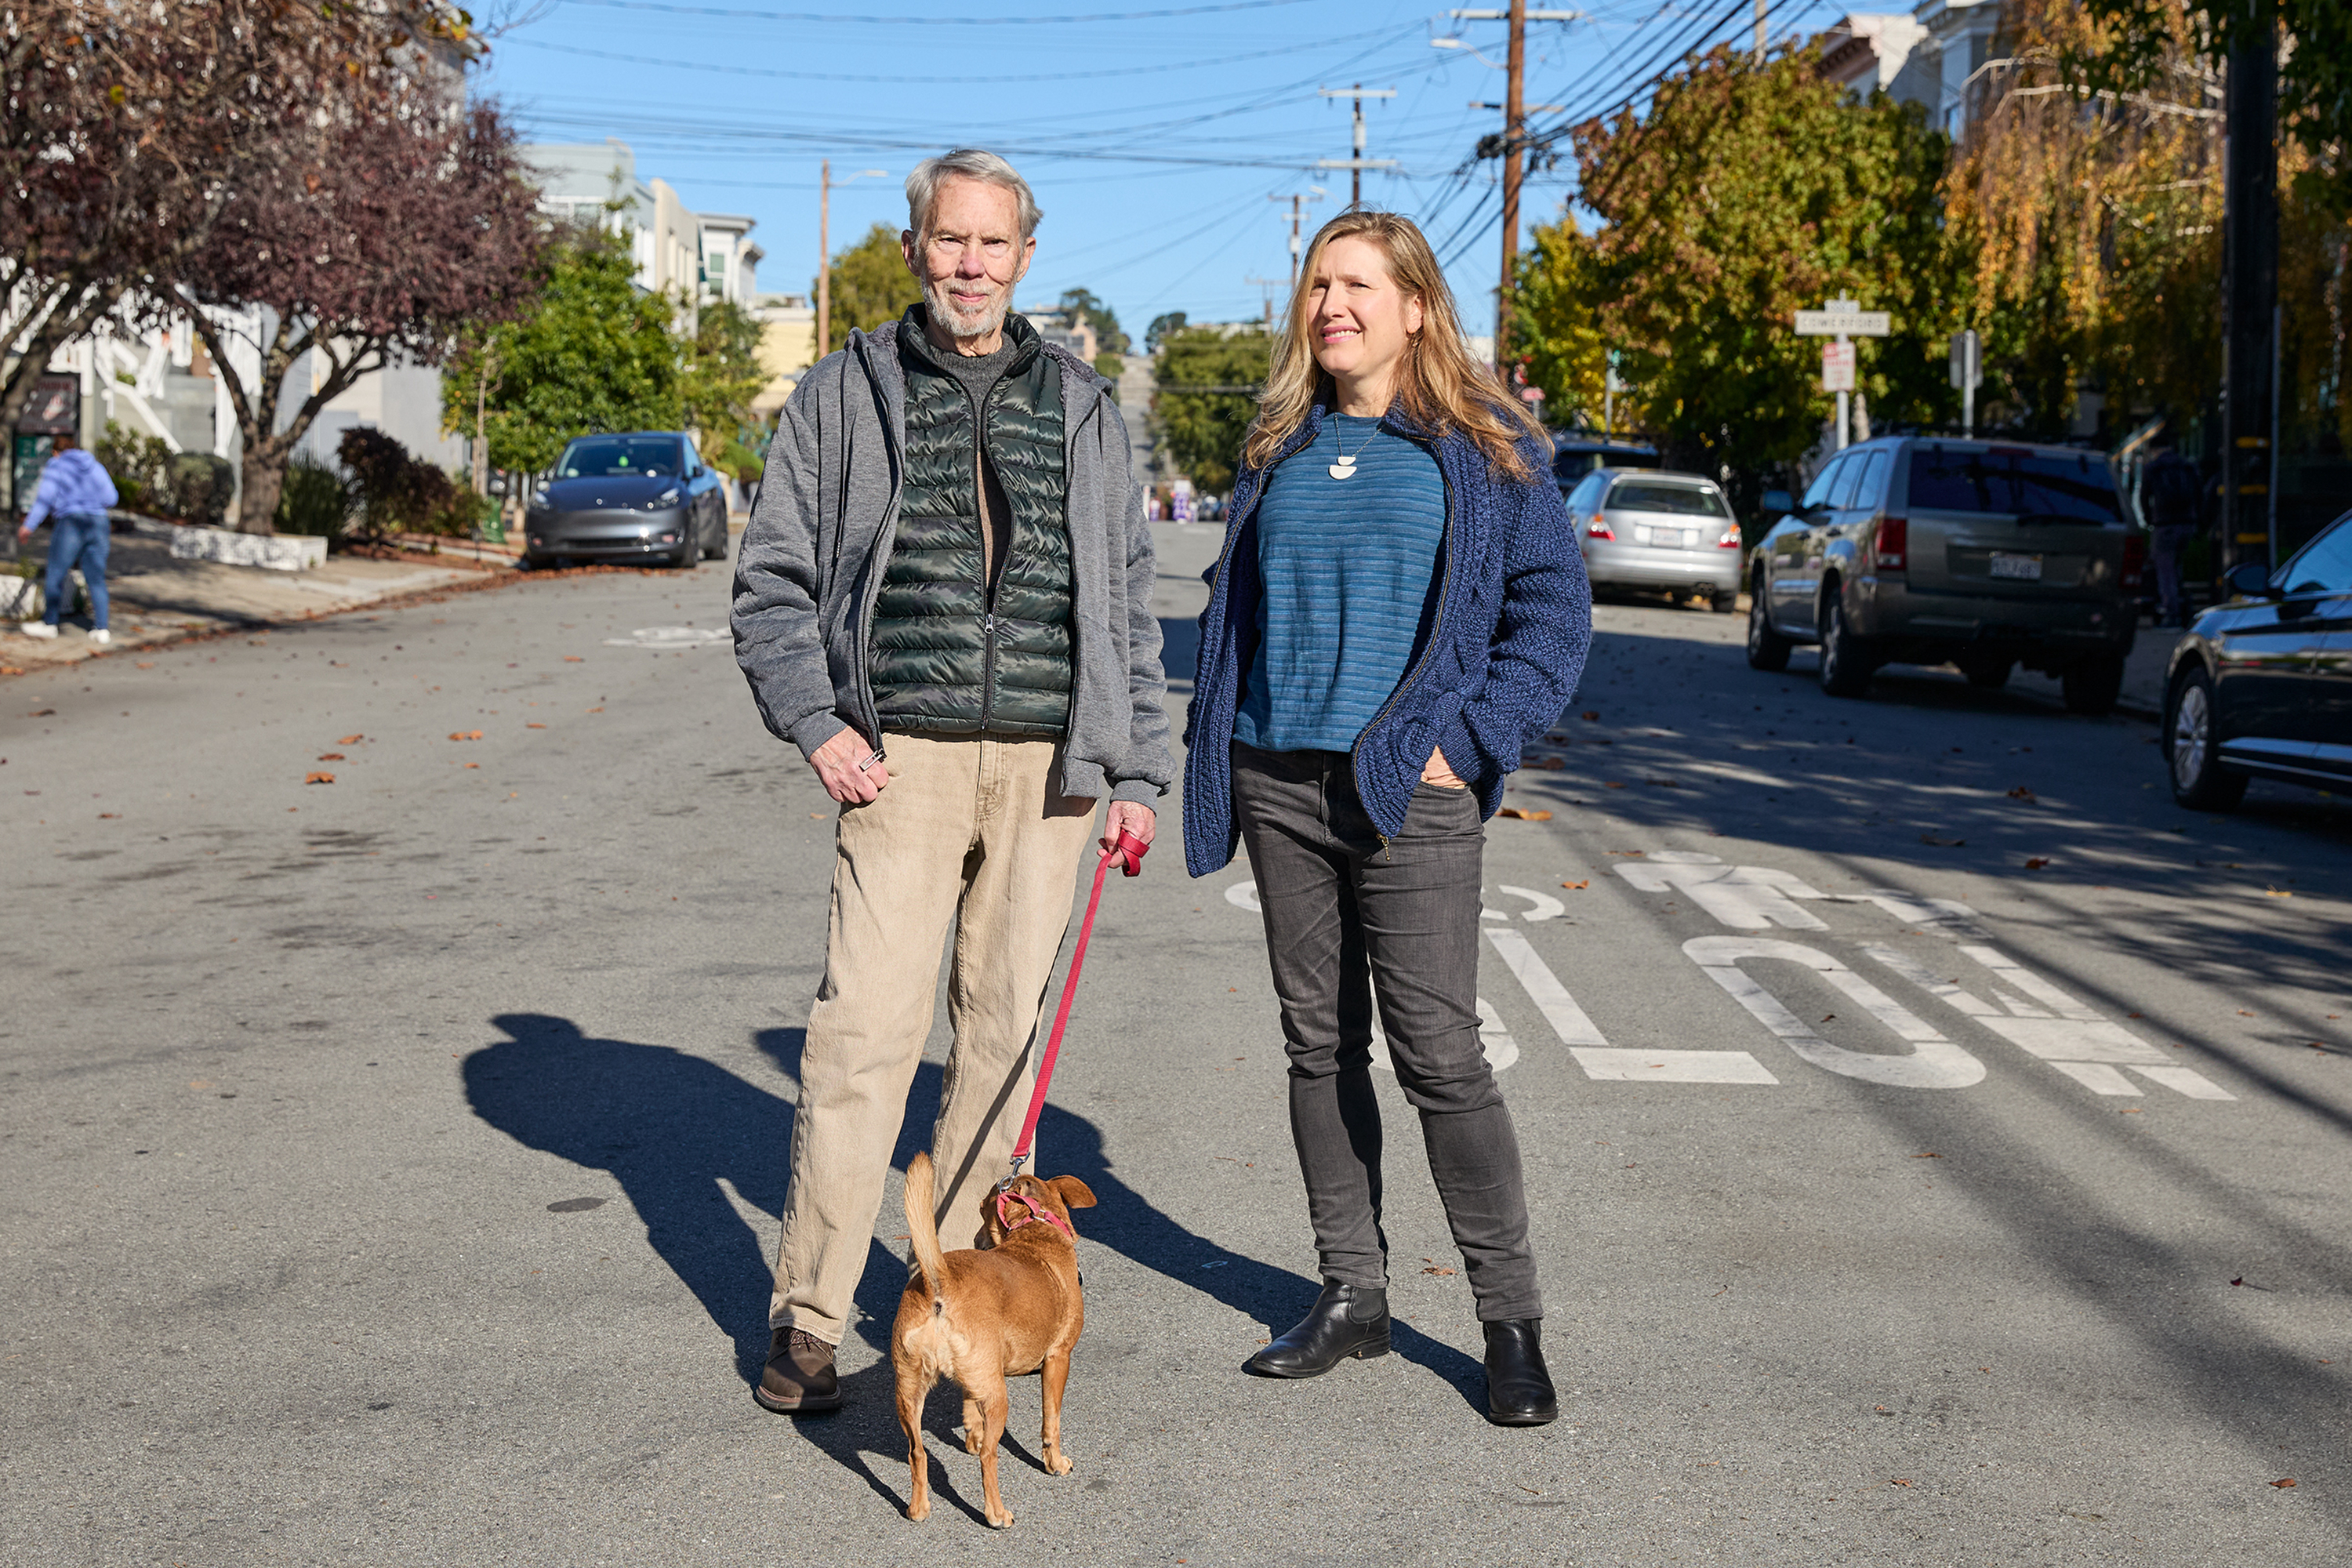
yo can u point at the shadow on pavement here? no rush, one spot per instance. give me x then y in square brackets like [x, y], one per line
[668, 1125]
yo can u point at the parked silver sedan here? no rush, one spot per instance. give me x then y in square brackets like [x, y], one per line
[1658, 530]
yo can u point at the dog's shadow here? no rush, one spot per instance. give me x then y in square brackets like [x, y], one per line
[670, 1126]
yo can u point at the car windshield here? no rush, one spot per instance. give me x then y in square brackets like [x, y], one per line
[1654, 495]
[2028, 484]
[603, 456]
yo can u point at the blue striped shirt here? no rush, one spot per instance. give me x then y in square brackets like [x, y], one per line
[1348, 569]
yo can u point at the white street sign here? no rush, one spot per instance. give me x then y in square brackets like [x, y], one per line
[1843, 324]
[1837, 367]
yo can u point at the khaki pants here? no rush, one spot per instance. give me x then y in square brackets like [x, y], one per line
[969, 831]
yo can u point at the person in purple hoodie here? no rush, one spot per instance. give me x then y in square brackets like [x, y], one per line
[76, 492]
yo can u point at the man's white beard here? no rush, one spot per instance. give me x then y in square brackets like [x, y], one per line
[960, 323]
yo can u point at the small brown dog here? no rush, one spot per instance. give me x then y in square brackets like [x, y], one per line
[978, 1317]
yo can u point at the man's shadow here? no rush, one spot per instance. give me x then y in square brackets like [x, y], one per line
[668, 1126]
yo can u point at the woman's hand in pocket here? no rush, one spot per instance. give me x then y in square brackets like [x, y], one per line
[1437, 772]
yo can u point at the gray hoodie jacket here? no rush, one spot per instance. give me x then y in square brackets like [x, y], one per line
[811, 562]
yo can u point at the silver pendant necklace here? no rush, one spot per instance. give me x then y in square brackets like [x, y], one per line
[1345, 468]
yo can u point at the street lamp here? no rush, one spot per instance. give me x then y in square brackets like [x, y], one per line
[824, 248]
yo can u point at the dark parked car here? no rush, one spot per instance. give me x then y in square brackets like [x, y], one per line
[1915, 550]
[645, 495]
[1576, 453]
[2260, 686]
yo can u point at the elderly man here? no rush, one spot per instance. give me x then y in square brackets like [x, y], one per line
[944, 600]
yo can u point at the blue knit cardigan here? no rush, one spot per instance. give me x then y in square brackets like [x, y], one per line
[1501, 658]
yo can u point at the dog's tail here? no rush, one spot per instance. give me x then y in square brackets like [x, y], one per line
[922, 1228]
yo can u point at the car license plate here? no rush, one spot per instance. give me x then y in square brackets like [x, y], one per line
[2021, 568]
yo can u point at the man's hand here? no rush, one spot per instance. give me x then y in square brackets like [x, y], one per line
[837, 761]
[1437, 771]
[1130, 816]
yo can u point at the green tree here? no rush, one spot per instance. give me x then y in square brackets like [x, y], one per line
[1083, 306]
[871, 284]
[591, 353]
[1162, 326]
[1209, 378]
[721, 376]
[1747, 193]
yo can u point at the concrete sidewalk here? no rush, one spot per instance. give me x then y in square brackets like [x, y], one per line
[157, 599]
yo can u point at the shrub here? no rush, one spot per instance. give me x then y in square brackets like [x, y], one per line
[139, 464]
[198, 488]
[316, 500]
[398, 493]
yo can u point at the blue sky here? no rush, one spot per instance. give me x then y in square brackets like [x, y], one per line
[1154, 141]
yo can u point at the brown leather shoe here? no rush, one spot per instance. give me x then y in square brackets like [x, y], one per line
[799, 1379]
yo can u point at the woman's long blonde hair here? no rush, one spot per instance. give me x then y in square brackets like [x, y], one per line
[1438, 387]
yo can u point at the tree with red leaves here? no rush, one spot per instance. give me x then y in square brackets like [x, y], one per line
[410, 226]
[126, 130]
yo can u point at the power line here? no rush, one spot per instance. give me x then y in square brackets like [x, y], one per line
[739, 14]
[964, 80]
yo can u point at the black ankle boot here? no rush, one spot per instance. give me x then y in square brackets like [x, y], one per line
[1518, 1386]
[1346, 1320]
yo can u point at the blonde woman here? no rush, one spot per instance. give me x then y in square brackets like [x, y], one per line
[1400, 607]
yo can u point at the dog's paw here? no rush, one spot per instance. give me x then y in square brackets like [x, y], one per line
[1057, 1463]
[971, 1444]
[919, 1509]
[1001, 1520]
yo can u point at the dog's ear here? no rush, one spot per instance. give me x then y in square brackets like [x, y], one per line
[1073, 1191]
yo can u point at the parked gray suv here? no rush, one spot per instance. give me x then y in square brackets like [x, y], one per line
[1984, 555]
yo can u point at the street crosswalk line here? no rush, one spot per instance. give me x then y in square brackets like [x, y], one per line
[1544, 989]
[1671, 1066]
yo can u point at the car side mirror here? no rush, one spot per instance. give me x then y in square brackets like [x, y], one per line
[2250, 580]
[1778, 503]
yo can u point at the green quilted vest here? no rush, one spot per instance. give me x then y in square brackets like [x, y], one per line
[945, 659]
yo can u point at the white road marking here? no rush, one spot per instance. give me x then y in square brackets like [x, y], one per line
[672, 637]
[1544, 907]
[2188, 1080]
[1244, 896]
[1945, 917]
[1745, 898]
[1671, 1066]
[1934, 1061]
[1544, 989]
[2098, 1078]
[1495, 1042]
[2032, 985]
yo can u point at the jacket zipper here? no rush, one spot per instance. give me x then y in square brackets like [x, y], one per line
[877, 559]
[990, 576]
[1444, 576]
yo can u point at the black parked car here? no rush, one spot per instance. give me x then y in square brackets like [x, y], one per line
[2260, 686]
[644, 495]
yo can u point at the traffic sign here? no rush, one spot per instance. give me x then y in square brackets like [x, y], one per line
[1837, 368]
[1967, 360]
[1849, 322]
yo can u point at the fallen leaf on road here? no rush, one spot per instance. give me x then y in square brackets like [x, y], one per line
[107, 815]
[350, 740]
[1930, 1154]
[330, 756]
[2240, 1279]
[1578, 886]
[573, 658]
[41, 713]
[1899, 1483]
[146, 664]
[1590, 717]
[1942, 843]
[473, 764]
[595, 711]
[2021, 793]
[2243, 1013]
[2276, 893]
[1548, 765]
[317, 778]
[2284, 1481]
[465, 734]
[2035, 862]
[1664, 784]
[1629, 854]
[1827, 1016]
[534, 726]
[1437, 1271]
[1612, 784]
[1522, 814]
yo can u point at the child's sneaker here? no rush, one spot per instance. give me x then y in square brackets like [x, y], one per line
[102, 636]
[38, 629]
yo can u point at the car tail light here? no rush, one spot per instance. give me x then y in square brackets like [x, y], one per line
[1730, 540]
[1893, 545]
[2134, 560]
[1598, 527]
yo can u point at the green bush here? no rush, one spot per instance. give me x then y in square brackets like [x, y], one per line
[140, 466]
[198, 488]
[316, 500]
[399, 494]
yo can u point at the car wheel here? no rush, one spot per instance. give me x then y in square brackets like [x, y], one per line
[2199, 780]
[1846, 665]
[717, 550]
[2091, 686]
[1985, 671]
[689, 552]
[1723, 603]
[1767, 649]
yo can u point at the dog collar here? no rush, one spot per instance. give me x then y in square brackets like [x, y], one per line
[1033, 1211]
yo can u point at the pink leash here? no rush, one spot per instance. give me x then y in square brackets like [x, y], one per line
[1129, 852]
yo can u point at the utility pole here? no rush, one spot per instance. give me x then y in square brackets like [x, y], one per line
[824, 248]
[1759, 31]
[1514, 146]
[1359, 164]
[2250, 297]
[1266, 286]
[1297, 203]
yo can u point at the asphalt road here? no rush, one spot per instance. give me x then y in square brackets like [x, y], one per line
[1936, 1141]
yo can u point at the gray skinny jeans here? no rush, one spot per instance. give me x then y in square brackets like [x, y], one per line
[1347, 918]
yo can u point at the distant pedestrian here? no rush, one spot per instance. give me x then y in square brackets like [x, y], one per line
[2172, 501]
[75, 492]
[948, 557]
[1400, 608]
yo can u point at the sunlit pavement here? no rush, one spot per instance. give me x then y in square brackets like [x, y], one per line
[1936, 1138]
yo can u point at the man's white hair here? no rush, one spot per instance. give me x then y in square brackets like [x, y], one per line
[967, 163]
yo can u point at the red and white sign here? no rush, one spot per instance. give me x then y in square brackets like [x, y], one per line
[1837, 367]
